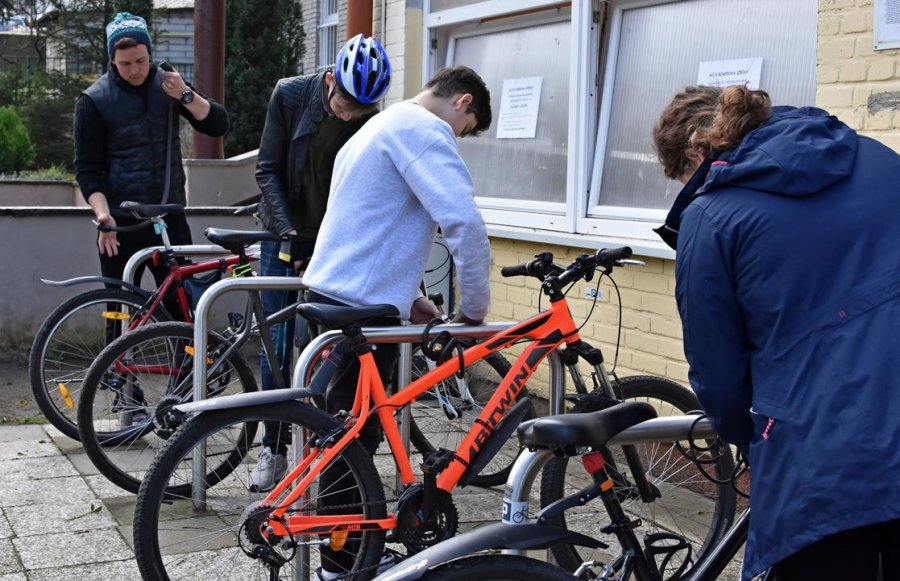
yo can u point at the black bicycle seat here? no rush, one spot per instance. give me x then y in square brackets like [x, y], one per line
[564, 433]
[234, 240]
[151, 210]
[335, 317]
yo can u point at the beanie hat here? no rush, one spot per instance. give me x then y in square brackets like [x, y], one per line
[126, 25]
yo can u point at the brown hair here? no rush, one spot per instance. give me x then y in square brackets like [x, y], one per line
[453, 81]
[707, 119]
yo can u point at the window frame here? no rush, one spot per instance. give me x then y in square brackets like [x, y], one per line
[326, 22]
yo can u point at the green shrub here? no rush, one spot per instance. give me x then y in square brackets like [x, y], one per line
[16, 150]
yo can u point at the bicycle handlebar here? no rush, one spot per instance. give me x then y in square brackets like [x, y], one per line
[583, 266]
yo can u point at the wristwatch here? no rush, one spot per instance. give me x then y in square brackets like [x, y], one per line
[186, 97]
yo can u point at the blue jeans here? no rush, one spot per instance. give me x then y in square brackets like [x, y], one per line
[277, 435]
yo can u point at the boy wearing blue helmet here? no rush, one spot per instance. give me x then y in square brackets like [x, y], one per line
[309, 119]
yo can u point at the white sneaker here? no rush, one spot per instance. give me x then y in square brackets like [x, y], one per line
[270, 468]
[388, 560]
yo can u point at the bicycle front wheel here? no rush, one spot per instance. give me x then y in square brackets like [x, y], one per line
[69, 340]
[131, 387]
[444, 415]
[688, 507]
[174, 539]
[498, 568]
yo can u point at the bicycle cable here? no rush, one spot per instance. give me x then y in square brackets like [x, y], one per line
[715, 451]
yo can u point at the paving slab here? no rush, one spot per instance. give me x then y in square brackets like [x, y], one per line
[5, 529]
[14, 577]
[87, 515]
[26, 433]
[9, 559]
[112, 571]
[48, 490]
[80, 548]
[14, 449]
[105, 489]
[35, 468]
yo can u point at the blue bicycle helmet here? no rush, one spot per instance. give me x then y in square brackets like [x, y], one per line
[363, 69]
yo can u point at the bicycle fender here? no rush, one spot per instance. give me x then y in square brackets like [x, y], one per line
[244, 400]
[493, 536]
[97, 279]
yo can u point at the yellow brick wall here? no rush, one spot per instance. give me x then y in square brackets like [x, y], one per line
[651, 330]
[859, 85]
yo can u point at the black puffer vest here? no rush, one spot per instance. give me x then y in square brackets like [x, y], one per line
[136, 128]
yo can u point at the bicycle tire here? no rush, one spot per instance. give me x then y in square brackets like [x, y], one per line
[702, 519]
[53, 368]
[168, 533]
[498, 568]
[430, 428]
[123, 454]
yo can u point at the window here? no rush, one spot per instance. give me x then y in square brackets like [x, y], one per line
[327, 37]
[608, 68]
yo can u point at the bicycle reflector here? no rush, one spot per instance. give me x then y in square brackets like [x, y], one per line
[338, 540]
[115, 315]
[189, 349]
[64, 392]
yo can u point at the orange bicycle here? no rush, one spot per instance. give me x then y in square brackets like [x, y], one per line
[331, 496]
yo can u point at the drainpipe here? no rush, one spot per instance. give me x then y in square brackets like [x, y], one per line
[359, 18]
[209, 67]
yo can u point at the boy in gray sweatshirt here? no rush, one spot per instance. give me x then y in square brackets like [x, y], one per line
[395, 182]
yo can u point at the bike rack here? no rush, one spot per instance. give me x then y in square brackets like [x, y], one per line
[142, 256]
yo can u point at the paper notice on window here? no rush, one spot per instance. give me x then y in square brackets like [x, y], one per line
[887, 24]
[519, 104]
[730, 72]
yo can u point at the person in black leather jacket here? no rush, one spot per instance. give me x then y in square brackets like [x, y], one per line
[309, 119]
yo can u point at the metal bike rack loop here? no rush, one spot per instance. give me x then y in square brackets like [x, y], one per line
[142, 256]
[201, 336]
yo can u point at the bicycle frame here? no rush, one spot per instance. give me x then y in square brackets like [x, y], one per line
[549, 329]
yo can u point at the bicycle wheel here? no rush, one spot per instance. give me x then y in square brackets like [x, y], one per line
[66, 344]
[498, 568]
[132, 385]
[174, 541]
[690, 506]
[434, 426]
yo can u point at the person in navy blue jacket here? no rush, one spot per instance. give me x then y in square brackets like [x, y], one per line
[788, 284]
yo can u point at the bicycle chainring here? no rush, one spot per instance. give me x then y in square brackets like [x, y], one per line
[413, 530]
[165, 425]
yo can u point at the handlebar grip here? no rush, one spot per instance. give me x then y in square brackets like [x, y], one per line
[164, 65]
[517, 270]
[608, 257]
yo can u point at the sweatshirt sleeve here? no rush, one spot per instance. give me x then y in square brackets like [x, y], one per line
[439, 179]
[714, 334]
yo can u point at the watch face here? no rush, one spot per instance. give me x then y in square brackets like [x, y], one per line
[187, 97]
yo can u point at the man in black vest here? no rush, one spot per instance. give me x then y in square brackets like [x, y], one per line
[120, 134]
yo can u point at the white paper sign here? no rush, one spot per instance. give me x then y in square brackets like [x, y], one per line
[730, 72]
[519, 104]
[887, 24]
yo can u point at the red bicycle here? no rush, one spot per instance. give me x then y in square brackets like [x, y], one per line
[72, 336]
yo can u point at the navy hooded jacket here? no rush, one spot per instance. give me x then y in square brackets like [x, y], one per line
[788, 285]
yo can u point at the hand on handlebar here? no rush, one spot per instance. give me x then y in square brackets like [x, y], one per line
[107, 243]
[423, 311]
[461, 318]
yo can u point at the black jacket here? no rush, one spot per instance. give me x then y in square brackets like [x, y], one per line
[295, 112]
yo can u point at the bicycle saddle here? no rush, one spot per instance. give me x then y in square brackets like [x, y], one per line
[234, 240]
[564, 433]
[151, 210]
[335, 317]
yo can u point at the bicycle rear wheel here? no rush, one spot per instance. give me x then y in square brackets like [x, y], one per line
[689, 506]
[132, 385]
[498, 568]
[175, 541]
[434, 426]
[69, 340]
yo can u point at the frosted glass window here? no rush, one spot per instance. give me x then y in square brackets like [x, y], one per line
[438, 5]
[659, 51]
[524, 169]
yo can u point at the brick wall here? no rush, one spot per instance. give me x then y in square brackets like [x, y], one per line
[854, 82]
[651, 341]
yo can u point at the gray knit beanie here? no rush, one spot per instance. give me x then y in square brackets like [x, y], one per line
[126, 25]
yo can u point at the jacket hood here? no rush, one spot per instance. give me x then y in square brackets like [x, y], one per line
[797, 152]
